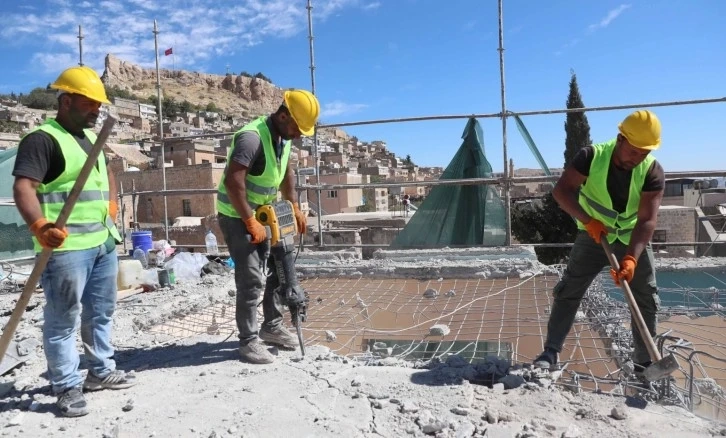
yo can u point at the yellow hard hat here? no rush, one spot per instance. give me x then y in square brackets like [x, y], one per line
[81, 80]
[304, 109]
[642, 130]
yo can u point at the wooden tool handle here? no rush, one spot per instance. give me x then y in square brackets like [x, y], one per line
[634, 309]
[42, 260]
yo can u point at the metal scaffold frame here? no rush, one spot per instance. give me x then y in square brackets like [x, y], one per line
[506, 181]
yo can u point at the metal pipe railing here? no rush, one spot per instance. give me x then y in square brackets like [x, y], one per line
[495, 115]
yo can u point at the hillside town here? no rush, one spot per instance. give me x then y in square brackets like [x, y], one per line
[185, 283]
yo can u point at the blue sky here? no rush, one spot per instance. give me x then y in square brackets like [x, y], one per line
[400, 58]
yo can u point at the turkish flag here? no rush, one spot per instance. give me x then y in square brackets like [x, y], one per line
[168, 52]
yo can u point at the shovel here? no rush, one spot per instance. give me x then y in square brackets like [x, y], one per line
[660, 367]
[42, 260]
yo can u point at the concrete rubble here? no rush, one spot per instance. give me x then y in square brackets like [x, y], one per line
[197, 386]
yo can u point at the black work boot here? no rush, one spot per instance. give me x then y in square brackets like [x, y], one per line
[547, 360]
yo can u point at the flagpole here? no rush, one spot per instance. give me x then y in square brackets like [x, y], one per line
[161, 132]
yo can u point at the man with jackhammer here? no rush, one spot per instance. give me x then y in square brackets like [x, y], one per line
[79, 281]
[613, 190]
[257, 167]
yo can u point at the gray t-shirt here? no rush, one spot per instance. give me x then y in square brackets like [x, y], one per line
[248, 150]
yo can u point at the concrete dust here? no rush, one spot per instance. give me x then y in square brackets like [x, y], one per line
[197, 386]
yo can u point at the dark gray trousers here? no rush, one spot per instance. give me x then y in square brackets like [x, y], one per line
[251, 281]
[587, 259]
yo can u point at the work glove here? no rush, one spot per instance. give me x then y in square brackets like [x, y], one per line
[256, 230]
[47, 234]
[300, 219]
[112, 209]
[595, 229]
[627, 270]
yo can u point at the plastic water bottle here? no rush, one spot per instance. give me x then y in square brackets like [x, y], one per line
[210, 240]
[140, 255]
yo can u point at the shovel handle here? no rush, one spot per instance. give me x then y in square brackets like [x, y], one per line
[42, 260]
[634, 309]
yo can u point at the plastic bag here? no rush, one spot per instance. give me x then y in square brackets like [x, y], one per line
[187, 265]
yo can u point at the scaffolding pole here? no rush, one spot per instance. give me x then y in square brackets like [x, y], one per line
[432, 183]
[496, 115]
[505, 171]
[315, 134]
[161, 132]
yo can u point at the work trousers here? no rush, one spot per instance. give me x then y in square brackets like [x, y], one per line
[79, 284]
[251, 281]
[587, 259]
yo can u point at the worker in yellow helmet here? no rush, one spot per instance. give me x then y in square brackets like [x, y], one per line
[613, 190]
[79, 281]
[258, 166]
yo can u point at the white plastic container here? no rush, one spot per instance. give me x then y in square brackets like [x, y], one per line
[210, 241]
[130, 274]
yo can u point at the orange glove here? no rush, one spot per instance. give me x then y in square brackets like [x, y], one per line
[627, 270]
[300, 219]
[595, 229]
[255, 228]
[112, 209]
[47, 234]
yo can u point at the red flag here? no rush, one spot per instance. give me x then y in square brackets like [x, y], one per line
[168, 52]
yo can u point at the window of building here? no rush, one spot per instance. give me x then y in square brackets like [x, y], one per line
[186, 207]
[659, 236]
[205, 161]
[332, 193]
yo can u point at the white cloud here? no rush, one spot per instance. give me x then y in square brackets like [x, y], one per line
[372, 5]
[53, 62]
[609, 18]
[572, 43]
[337, 108]
[124, 28]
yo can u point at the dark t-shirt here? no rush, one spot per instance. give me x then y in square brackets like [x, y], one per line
[618, 179]
[248, 150]
[40, 158]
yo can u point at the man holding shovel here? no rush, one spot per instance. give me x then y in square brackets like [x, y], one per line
[613, 190]
[80, 277]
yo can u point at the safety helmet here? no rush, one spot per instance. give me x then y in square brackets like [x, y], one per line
[304, 109]
[642, 130]
[81, 80]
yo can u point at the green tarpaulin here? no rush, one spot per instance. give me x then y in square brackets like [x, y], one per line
[459, 215]
[15, 239]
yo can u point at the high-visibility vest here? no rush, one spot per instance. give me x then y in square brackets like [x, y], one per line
[596, 201]
[89, 224]
[261, 189]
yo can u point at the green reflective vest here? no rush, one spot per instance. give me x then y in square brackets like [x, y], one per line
[595, 199]
[89, 224]
[261, 189]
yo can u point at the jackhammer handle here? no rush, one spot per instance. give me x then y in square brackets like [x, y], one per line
[268, 232]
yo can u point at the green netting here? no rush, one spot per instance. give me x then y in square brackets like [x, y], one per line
[459, 215]
[15, 239]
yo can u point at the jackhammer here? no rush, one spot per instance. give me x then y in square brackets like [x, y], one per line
[281, 227]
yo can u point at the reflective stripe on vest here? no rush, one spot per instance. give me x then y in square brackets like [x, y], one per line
[261, 189]
[85, 196]
[89, 224]
[224, 198]
[597, 202]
